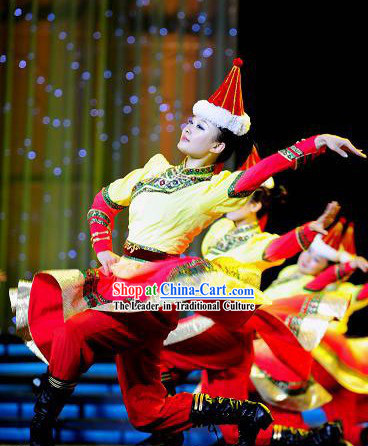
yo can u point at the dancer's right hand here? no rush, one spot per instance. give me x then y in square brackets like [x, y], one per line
[326, 219]
[107, 259]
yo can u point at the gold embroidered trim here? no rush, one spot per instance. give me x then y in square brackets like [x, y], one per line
[131, 247]
[231, 191]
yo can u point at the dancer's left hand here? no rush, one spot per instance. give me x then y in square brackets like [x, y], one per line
[342, 146]
[107, 259]
[326, 219]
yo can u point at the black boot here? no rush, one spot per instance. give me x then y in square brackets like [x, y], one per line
[250, 417]
[52, 397]
[163, 440]
[330, 434]
[364, 436]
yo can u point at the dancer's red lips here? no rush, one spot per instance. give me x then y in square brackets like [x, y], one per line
[184, 138]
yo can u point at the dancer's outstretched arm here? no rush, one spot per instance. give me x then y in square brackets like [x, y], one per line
[299, 239]
[337, 272]
[292, 157]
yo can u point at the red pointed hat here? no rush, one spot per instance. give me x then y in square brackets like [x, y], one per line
[334, 236]
[252, 160]
[225, 107]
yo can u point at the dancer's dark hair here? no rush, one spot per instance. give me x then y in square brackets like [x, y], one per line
[240, 146]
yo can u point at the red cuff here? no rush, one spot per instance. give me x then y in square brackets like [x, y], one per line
[305, 236]
[101, 220]
[343, 270]
[101, 238]
[289, 244]
[288, 158]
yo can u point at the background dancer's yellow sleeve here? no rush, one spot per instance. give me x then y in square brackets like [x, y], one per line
[289, 282]
[245, 244]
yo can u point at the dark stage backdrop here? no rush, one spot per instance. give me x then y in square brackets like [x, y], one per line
[294, 96]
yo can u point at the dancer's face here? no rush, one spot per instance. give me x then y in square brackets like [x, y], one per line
[199, 138]
[311, 263]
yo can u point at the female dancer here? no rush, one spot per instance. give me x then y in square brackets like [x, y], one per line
[339, 364]
[168, 206]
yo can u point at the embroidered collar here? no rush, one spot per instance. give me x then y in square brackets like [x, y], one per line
[205, 171]
[234, 238]
[173, 179]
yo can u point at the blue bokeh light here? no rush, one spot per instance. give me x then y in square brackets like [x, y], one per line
[207, 52]
[72, 253]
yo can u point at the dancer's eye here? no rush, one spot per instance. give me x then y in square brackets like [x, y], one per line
[200, 127]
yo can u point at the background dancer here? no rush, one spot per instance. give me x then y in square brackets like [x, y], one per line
[227, 357]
